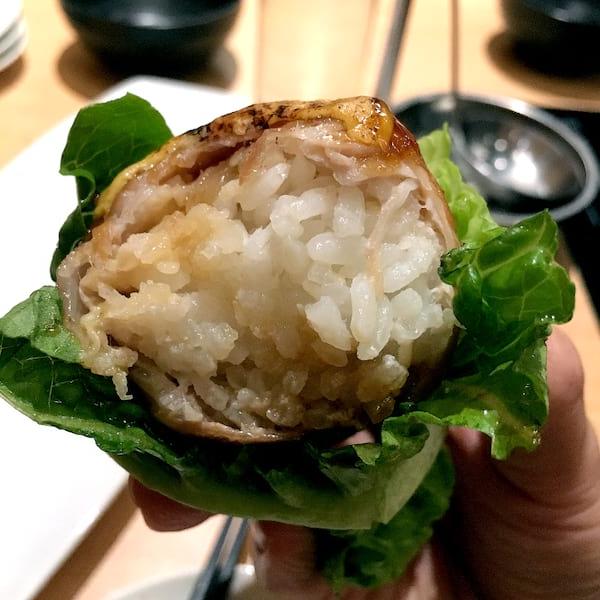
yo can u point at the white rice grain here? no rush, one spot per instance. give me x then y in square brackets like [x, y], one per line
[326, 319]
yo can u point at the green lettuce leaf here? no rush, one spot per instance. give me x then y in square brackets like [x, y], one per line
[508, 292]
[64, 394]
[472, 219]
[103, 140]
[522, 288]
[373, 557]
[39, 319]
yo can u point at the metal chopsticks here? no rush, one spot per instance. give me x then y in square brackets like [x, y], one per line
[213, 582]
[390, 57]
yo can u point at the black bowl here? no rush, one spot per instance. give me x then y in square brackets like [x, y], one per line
[532, 140]
[153, 36]
[555, 35]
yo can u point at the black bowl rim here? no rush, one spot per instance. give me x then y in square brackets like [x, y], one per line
[203, 18]
[582, 149]
[542, 8]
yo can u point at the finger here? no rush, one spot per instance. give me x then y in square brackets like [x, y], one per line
[284, 555]
[284, 558]
[162, 513]
[528, 526]
[567, 462]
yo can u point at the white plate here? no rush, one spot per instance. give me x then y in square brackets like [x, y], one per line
[54, 484]
[12, 45]
[9, 35]
[10, 12]
[243, 587]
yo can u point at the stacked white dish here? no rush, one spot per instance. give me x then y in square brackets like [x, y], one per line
[13, 33]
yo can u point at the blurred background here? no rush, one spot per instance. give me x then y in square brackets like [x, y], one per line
[535, 133]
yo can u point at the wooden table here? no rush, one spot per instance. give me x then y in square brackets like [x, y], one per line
[57, 76]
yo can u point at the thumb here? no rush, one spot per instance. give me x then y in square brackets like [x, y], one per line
[284, 558]
[566, 464]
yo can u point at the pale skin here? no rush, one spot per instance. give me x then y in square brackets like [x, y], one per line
[526, 528]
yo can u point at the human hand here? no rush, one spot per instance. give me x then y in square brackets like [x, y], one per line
[528, 527]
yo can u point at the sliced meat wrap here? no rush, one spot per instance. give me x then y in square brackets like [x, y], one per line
[269, 274]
